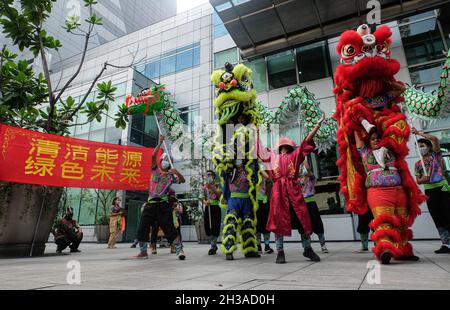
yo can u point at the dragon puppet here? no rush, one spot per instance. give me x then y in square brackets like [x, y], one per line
[369, 101]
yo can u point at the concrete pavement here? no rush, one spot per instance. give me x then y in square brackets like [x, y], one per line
[102, 269]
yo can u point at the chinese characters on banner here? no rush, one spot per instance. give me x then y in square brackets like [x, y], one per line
[36, 158]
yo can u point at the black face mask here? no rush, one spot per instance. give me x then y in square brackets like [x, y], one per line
[69, 216]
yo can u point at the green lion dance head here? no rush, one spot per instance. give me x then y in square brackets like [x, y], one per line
[234, 94]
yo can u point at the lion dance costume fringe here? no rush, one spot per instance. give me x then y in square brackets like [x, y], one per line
[366, 71]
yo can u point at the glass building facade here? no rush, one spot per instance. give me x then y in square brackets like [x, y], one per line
[182, 51]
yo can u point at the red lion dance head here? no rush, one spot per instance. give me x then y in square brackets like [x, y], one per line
[366, 66]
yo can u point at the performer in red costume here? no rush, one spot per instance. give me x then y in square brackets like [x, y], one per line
[367, 101]
[287, 206]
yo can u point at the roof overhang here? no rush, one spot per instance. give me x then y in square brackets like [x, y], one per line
[260, 27]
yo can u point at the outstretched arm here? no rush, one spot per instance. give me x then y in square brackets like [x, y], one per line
[156, 151]
[316, 129]
[434, 140]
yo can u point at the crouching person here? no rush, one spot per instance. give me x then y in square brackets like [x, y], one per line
[68, 233]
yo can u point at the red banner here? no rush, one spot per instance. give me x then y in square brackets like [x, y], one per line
[36, 158]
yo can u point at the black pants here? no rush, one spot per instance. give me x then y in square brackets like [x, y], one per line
[73, 242]
[155, 230]
[364, 221]
[157, 211]
[262, 215]
[439, 207]
[295, 221]
[316, 220]
[216, 219]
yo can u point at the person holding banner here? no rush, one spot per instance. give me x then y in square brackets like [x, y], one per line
[158, 207]
[212, 214]
[436, 186]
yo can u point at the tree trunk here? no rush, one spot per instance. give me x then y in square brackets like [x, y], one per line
[20, 208]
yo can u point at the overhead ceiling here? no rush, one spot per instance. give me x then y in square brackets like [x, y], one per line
[265, 26]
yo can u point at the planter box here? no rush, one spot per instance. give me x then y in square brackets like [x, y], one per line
[102, 233]
[20, 208]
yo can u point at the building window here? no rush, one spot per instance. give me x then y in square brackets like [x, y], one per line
[185, 60]
[424, 38]
[152, 69]
[171, 62]
[281, 70]
[313, 62]
[219, 27]
[259, 77]
[168, 65]
[223, 57]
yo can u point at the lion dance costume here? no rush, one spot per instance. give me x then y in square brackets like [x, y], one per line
[366, 101]
[239, 171]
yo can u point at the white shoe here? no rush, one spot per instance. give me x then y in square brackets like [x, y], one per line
[380, 156]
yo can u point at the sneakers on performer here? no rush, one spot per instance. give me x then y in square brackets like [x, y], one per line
[309, 253]
[143, 255]
[153, 248]
[252, 255]
[385, 257]
[268, 249]
[281, 259]
[229, 257]
[75, 251]
[411, 258]
[181, 255]
[212, 251]
[443, 250]
[324, 249]
[133, 246]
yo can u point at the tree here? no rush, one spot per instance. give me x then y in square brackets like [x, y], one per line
[29, 100]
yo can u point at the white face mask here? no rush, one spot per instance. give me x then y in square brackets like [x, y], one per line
[239, 162]
[210, 179]
[424, 151]
[165, 164]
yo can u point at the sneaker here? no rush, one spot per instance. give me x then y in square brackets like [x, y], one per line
[443, 250]
[324, 249]
[362, 250]
[281, 259]
[385, 257]
[142, 255]
[181, 256]
[173, 249]
[229, 257]
[252, 255]
[212, 251]
[309, 253]
[411, 258]
[75, 251]
[268, 249]
[153, 248]
[133, 246]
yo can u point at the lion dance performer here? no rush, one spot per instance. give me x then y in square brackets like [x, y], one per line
[239, 171]
[368, 98]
